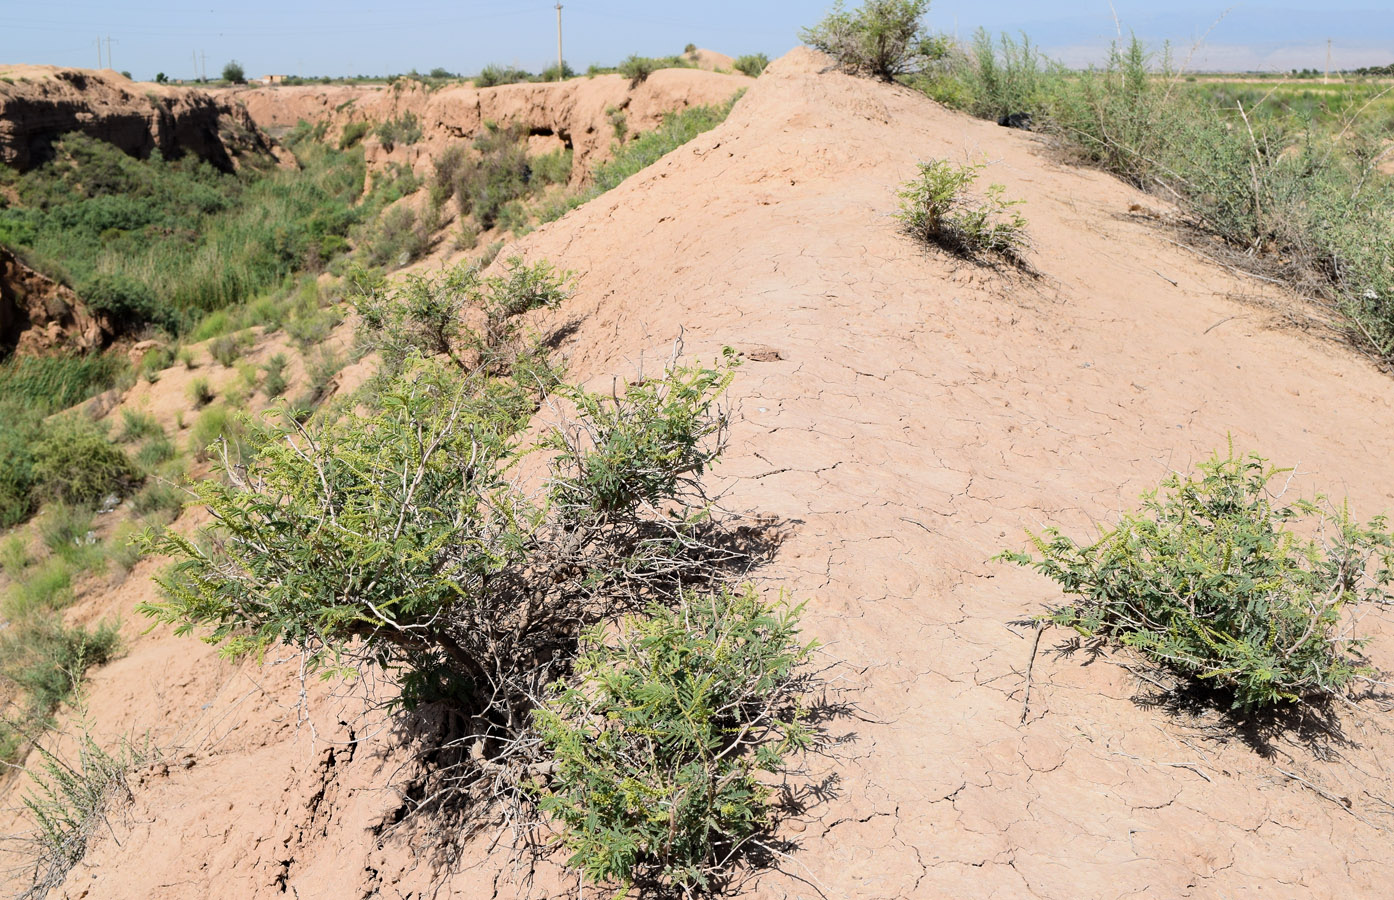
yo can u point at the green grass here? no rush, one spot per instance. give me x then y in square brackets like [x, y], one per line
[177, 236]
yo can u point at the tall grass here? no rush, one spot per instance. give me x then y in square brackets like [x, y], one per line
[1295, 195]
[194, 238]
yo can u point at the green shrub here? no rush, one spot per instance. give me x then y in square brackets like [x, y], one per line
[1009, 77]
[665, 741]
[155, 361]
[201, 392]
[638, 68]
[274, 383]
[619, 123]
[405, 129]
[228, 349]
[234, 73]
[651, 146]
[64, 527]
[441, 606]
[427, 315]
[44, 588]
[127, 303]
[216, 429]
[353, 133]
[493, 76]
[17, 500]
[1212, 579]
[157, 450]
[883, 39]
[395, 239]
[75, 462]
[14, 556]
[751, 64]
[557, 72]
[500, 176]
[313, 326]
[449, 166]
[136, 425]
[936, 208]
[551, 168]
[159, 497]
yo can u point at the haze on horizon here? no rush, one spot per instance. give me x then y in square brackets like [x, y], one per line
[359, 37]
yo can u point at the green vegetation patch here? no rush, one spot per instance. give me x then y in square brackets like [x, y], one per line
[1218, 579]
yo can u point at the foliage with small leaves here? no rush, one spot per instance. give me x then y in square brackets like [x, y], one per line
[1221, 580]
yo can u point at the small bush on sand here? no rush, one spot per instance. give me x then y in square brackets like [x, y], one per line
[751, 64]
[75, 462]
[665, 740]
[67, 806]
[1212, 580]
[228, 349]
[201, 392]
[274, 383]
[883, 39]
[937, 209]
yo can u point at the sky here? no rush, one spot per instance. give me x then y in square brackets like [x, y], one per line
[378, 37]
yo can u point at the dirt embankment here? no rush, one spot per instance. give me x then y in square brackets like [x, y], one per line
[38, 314]
[39, 104]
[579, 114]
[906, 416]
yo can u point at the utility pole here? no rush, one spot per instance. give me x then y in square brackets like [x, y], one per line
[203, 69]
[1326, 80]
[99, 52]
[561, 66]
[108, 51]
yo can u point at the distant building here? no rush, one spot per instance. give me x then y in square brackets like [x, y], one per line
[272, 79]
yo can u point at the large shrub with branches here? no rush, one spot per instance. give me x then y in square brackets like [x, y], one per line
[427, 531]
[400, 534]
[1221, 580]
[883, 39]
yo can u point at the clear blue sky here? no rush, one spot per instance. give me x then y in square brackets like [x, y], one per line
[388, 36]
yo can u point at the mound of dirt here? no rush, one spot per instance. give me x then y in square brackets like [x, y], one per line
[38, 314]
[711, 60]
[39, 104]
[905, 415]
[575, 113]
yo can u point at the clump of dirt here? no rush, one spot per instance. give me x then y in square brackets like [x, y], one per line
[39, 104]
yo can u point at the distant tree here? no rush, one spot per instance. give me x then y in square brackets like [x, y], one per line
[751, 64]
[234, 73]
[126, 74]
[690, 49]
[883, 39]
[438, 72]
[161, 78]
